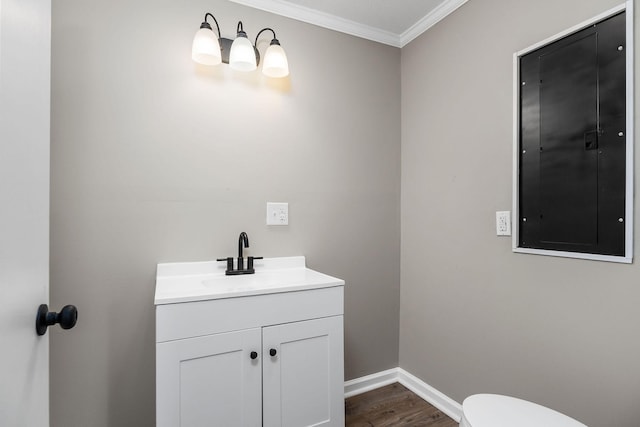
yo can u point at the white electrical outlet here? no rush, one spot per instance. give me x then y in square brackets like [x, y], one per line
[503, 223]
[277, 213]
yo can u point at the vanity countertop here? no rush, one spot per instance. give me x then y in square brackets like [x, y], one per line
[199, 281]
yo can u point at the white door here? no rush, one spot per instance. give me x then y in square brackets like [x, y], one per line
[213, 380]
[25, 51]
[303, 374]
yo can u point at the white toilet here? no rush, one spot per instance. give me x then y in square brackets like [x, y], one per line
[494, 410]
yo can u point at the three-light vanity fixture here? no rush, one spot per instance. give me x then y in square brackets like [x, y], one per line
[240, 54]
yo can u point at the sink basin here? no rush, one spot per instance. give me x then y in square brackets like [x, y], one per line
[199, 281]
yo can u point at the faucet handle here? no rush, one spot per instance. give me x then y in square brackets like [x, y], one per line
[229, 261]
[250, 262]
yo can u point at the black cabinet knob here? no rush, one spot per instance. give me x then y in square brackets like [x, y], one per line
[67, 318]
[273, 352]
[253, 355]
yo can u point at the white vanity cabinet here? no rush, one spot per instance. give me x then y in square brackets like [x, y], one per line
[257, 350]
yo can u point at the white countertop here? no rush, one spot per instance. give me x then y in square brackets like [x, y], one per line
[198, 281]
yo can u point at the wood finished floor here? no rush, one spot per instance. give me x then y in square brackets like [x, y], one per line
[393, 405]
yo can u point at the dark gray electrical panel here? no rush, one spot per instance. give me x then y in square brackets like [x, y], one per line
[572, 142]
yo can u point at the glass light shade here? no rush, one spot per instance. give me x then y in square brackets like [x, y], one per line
[206, 48]
[275, 62]
[242, 56]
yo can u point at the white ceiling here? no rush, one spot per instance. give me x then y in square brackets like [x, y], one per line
[392, 22]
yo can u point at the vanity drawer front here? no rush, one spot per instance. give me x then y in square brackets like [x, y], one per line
[198, 318]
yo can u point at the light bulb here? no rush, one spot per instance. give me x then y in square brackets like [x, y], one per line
[242, 56]
[206, 47]
[275, 61]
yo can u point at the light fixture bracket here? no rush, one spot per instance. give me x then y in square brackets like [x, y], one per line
[225, 49]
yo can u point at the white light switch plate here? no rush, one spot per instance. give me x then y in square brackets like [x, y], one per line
[503, 223]
[277, 213]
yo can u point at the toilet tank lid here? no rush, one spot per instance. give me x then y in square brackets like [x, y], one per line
[494, 410]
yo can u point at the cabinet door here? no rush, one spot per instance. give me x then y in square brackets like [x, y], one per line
[209, 381]
[303, 384]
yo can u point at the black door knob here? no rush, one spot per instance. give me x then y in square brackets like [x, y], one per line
[67, 318]
[273, 352]
[253, 355]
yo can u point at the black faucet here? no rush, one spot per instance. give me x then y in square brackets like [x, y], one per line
[243, 241]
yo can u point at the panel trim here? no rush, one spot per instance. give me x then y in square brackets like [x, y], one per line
[629, 196]
[430, 394]
[630, 132]
[604, 15]
[576, 255]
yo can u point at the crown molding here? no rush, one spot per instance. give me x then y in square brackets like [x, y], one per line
[322, 19]
[435, 16]
[336, 23]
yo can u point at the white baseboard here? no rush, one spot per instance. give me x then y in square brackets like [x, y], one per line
[435, 397]
[370, 382]
[398, 375]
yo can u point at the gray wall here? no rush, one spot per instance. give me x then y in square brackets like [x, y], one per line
[157, 160]
[476, 317]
